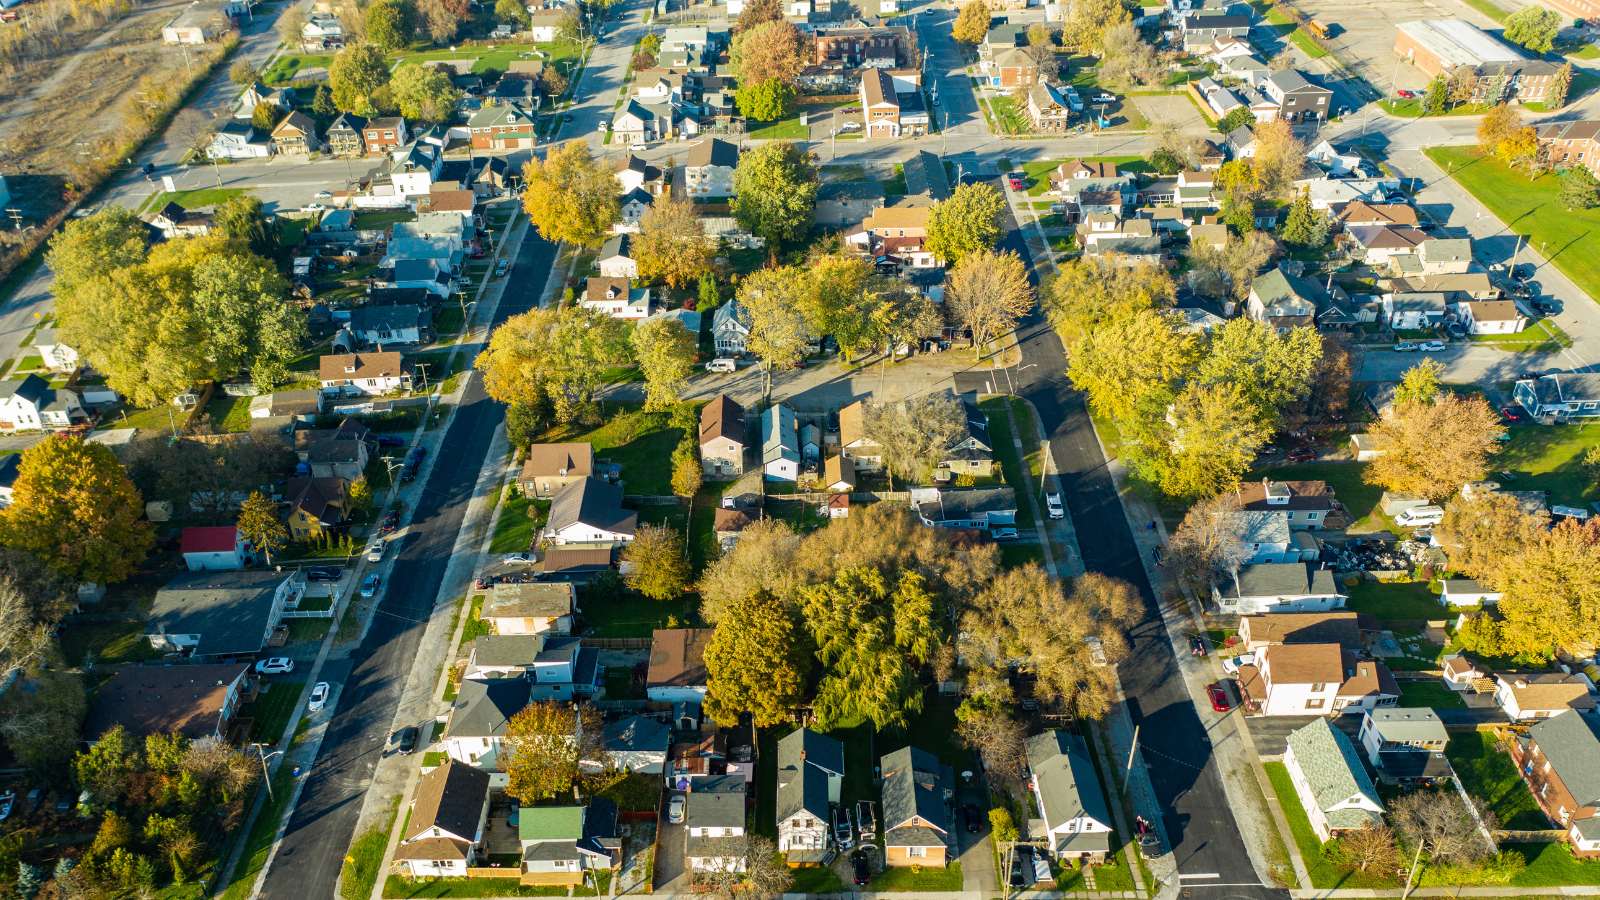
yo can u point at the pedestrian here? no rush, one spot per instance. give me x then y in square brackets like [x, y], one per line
[1152, 526]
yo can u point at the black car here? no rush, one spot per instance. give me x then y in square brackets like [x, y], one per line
[862, 869]
[389, 440]
[147, 168]
[1197, 646]
[973, 816]
[417, 453]
[405, 739]
[409, 473]
[324, 573]
[833, 420]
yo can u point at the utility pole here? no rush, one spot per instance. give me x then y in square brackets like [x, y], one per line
[1131, 751]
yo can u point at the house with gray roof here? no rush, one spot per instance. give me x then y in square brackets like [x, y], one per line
[1067, 790]
[810, 775]
[780, 444]
[730, 329]
[567, 845]
[916, 789]
[1263, 535]
[841, 204]
[977, 507]
[638, 744]
[1290, 587]
[590, 511]
[221, 614]
[477, 722]
[1329, 780]
[390, 325]
[1405, 746]
[711, 818]
[31, 404]
[1559, 758]
[530, 607]
[1559, 398]
[925, 176]
[971, 450]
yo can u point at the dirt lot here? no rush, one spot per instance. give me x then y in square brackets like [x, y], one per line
[1363, 32]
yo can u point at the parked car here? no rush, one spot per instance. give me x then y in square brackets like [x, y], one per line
[721, 365]
[1003, 534]
[518, 558]
[417, 453]
[1219, 697]
[406, 738]
[636, 147]
[275, 665]
[1405, 347]
[391, 440]
[319, 696]
[860, 867]
[1231, 664]
[375, 551]
[973, 817]
[843, 834]
[833, 420]
[1197, 645]
[1511, 414]
[1103, 97]
[1052, 505]
[1419, 515]
[369, 587]
[1431, 346]
[500, 269]
[147, 168]
[1302, 454]
[1456, 331]
[866, 822]
[324, 573]
[324, 195]
[675, 809]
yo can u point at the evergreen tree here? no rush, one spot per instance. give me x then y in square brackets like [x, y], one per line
[1579, 188]
[1305, 227]
[1556, 97]
[323, 107]
[708, 293]
[1438, 97]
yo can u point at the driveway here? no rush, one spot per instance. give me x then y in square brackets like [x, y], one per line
[976, 853]
[1463, 364]
[671, 876]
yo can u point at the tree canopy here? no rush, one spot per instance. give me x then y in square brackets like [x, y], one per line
[1432, 448]
[356, 73]
[775, 188]
[665, 350]
[552, 358]
[967, 223]
[1533, 27]
[425, 93]
[75, 509]
[569, 196]
[757, 661]
[672, 245]
[546, 746]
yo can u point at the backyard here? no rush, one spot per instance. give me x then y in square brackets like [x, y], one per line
[638, 442]
[1490, 777]
[1431, 694]
[1394, 601]
[1550, 458]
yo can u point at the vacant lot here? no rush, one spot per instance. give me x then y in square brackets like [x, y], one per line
[1549, 458]
[640, 443]
[1490, 777]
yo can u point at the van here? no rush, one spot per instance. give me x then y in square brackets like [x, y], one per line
[721, 365]
[636, 147]
[1420, 515]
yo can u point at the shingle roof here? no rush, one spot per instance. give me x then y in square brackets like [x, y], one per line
[219, 539]
[924, 174]
[1571, 742]
[713, 152]
[1547, 690]
[716, 810]
[677, 657]
[592, 502]
[1302, 663]
[507, 649]
[914, 783]
[1279, 580]
[1342, 628]
[722, 418]
[482, 708]
[353, 366]
[1334, 773]
[803, 757]
[1409, 724]
[638, 734]
[229, 610]
[148, 700]
[449, 798]
[1066, 780]
[878, 88]
[560, 460]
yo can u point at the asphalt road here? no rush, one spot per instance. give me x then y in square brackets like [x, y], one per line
[1195, 809]
[308, 861]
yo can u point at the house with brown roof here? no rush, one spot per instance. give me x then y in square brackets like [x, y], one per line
[865, 453]
[1490, 316]
[295, 134]
[387, 134]
[1346, 629]
[1360, 212]
[1526, 696]
[1314, 679]
[839, 474]
[576, 564]
[365, 374]
[678, 665]
[722, 437]
[880, 105]
[1078, 168]
[1048, 110]
[551, 467]
[452, 201]
[194, 701]
[534, 607]
[1559, 758]
[316, 506]
[1572, 143]
[446, 827]
[1308, 504]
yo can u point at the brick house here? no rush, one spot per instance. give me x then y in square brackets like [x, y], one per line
[1527, 80]
[880, 106]
[1559, 758]
[884, 47]
[1010, 67]
[503, 127]
[384, 135]
[1572, 143]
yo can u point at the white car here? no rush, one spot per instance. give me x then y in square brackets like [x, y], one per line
[1231, 664]
[518, 558]
[675, 809]
[850, 126]
[324, 195]
[375, 552]
[313, 207]
[1431, 346]
[319, 696]
[636, 147]
[1052, 504]
[722, 365]
[277, 665]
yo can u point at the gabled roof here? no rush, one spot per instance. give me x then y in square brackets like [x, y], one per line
[914, 785]
[878, 88]
[1342, 628]
[320, 498]
[220, 539]
[813, 748]
[353, 366]
[924, 174]
[722, 418]
[1302, 663]
[1571, 742]
[618, 245]
[1334, 774]
[560, 460]
[482, 708]
[449, 798]
[507, 649]
[639, 735]
[805, 760]
[592, 502]
[780, 439]
[1407, 724]
[713, 152]
[1065, 779]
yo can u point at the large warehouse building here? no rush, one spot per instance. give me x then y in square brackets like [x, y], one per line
[1438, 46]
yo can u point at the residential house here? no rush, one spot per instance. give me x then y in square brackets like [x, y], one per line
[1077, 169]
[1194, 189]
[711, 818]
[709, 169]
[613, 297]
[1524, 81]
[730, 329]
[477, 722]
[1277, 588]
[1200, 32]
[1245, 67]
[925, 177]
[529, 608]
[1446, 256]
[810, 775]
[1067, 790]
[1378, 245]
[1314, 679]
[503, 656]
[1296, 97]
[722, 437]
[916, 788]
[1490, 316]
[841, 204]
[634, 204]
[616, 258]
[578, 565]
[880, 105]
[8, 477]
[1122, 240]
[446, 826]
[57, 355]
[344, 135]
[564, 669]
[661, 85]
[1334, 789]
[31, 404]
[1360, 212]
[390, 325]
[1287, 301]
[365, 374]
[1466, 592]
[1473, 285]
[1349, 630]
[317, 506]
[385, 135]
[175, 222]
[506, 126]
[197, 702]
[221, 614]
[1405, 746]
[1463, 674]
[677, 665]
[1414, 311]
[303, 405]
[1011, 67]
[638, 744]
[1560, 760]
[971, 450]
[590, 511]
[1560, 397]
[296, 134]
[551, 467]
[780, 444]
[978, 507]
[216, 549]
[839, 474]
[1526, 696]
[1306, 504]
[442, 251]
[431, 275]
[1263, 534]
[543, 25]
[853, 441]
[637, 122]
[1048, 108]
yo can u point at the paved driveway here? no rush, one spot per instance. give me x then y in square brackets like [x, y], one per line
[671, 876]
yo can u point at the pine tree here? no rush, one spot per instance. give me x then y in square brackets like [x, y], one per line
[29, 880]
[1556, 97]
[1579, 188]
[1438, 97]
[708, 292]
[1305, 227]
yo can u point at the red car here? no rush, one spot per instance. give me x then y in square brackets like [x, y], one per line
[1511, 415]
[1017, 184]
[1304, 454]
[1219, 697]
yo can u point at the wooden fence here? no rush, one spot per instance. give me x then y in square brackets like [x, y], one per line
[1531, 837]
[615, 643]
[486, 872]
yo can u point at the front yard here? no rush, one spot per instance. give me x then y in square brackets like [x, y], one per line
[1549, 458]
[1324, 872]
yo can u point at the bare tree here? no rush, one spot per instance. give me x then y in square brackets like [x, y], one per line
[991, 730]
[915, 432]
[1368, 849]
[292, 22]
[744, 867]
[762, 560]
[989, 293]
[1442, 826]
[192, 128]
[1283, 62]
[1206, 545]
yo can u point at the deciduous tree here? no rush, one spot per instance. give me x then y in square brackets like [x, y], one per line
[1533, 27]
[264, 117]
[243, 73]
[291, 25]
[757, 662]
[992, 730]
[388, 25]
[1431, 449]
[549, 746]
[1552, 599]
[1231, 270]
[33, 600]
[356, 72]
[437, 20]
[553, 357]
[1487, 533]
[260, 525]
[989, 293]
[762, 562]
[74, 508]
[1368, 850]
[658, 567]
[671, 245]
[1089, 292]
[775, 300]
[85, 249]
[570, 197]
[511, 12]
[758, 12]
[914, 433]
[1499, 123]
[1206, 544]
[1208, 439]
[1463, 84]
[972, 23]
[775, 189]
[1420, 383]
[1090, 19]
[1441, 823]
[1238, 117]
[424, 93]
[839, 301]
[1522, 150]
[1280, 155]
[771, 50]
[873, 632]
[1270, 369]
[744, 866]
[42, 725]
[1128, 358]
[244, 219]
[665, 350]
[193, 129]
[766, 101]
[967, 223]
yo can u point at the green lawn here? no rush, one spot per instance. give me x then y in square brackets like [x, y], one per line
[1544, 335]
[365, 857]
[285, 67]
[1493, 11]
[622, 374]
[787, 128]
[1324, 872]
[1490, 777]
[1010, 465]
[1531, 208]
[1390, 600]
[1011, 121]
[230, 413]
[1549, 458]
[815, 880]
[1344, 478]
[396, 887]
[513, 533]
[110, 642]
[368, 221]
[1552, 865]
[273, 710]
[259, 841]
[476, 627]
[1037, 173]
[197, 198]
[1432, 694]
[633, 615]
[1015, 556]
[448, 321]
[902, 879]
[641, 445]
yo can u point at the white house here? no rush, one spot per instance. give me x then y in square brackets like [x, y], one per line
[722, 437]
[613, 297]
[853, 440]
[1314, 679]
[709, 816]
[677, 665]
[564, 669]
[1332, 785]
[477, 721]
[638, 744]
[503, 656]
[730, 329]
[390, 325]
[564, 845]
[238, 140]
[1490, 316]
[977, 507]
[1526, 696]
[221, 614]
[780, 444]
[414, 168]
[214, 549]
[1263, 534]
[590, 511]
[8, 477]
[446, 825]
[616, 258]
[1466, 592]
[365, 374]
[55, 354]
[1401, 731]
[537, 607]
[1067, 790]
[1276, 588]
[543, 24]
[31, 404]
[810, 776]
[709, 170]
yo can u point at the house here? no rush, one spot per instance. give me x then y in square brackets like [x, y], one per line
[634, 204]
[844, 203]
[588, 511]
[564, 669]
[971, 450]
[1049, 109]
[1571, 143]
[916, 788]
[433, 275]
[385, 135]
[1470, 285]
[1011, 67]
[722, 437]
[853, 440]
[1200, 32]
[503, 656]
[1378, 245]
[810, 775]
[638, 744]
[197, 702]
[505, 126]
[730, 329]
[1526, 696]
[839, 474]
[344, 135]
[201, 23]
[1438, 46]
[1306, 504]
[8, 477]
[780, 444]
[317, 506]
[303, 405]
[613, 297]
[636, 121]
[616, 258]
[544, 24]
[1490, 316]
[1287, 301]
[445, 828]
[221, 614]
[711, 818]
[1466, 592]
[977, 507]
[709, 169]
[1277, 588]
[380, 325]
[1347, 629]
[1405, 746]
[551, 467]
[175, 222]
[1360, 212]
[477, 722]
[1559, 758]
[677, 665]
[1334, 789]
[1067, 790]
[365, 374]
[1560, 397]
[30, 404]
[295, 134]
[1462, 674]
[1314, 679]
[56, 355]
[880, 105]
[529, 608]
[1263, 534]
[578, 565]
[217, 549]
[1296, 97]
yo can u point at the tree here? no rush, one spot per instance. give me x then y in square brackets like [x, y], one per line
[1495, 93]
[1499, 123]
[291, 26]
[425, 93]
[437, 20]
[744, 866]
[1557, 605]
[1305, 227]
[1090, 20]
[775, 188]
[1463, 85]
[1206, 544]
[546, 746]
[1533, 27]
[763, 561]
[1283, 62]
[1440, 824]
[775, 302]
[264, 117]
[74, 507]
[552, 357]
[1420, 383]
[1579, 189]
[769, 50]
[260, 525]
[1438, 97]
[555, 81]
[671, 245]
[1128, 60]
[757, 662]
[570, 26]
[1231, 270]
[29, 880]
[688, 472]
[105, 769]
[966, 223]
[972, 23]
[989, 293]
[511, 12]
[1523, 150]
[1001, 825]
[709, 297]
[665, 350]
[1487, 533]
[990, 729]
[323, 108]
[193, 129]
[1271, 369]
[873, 631]
[1040, 36]
[766, 101]
[1207, 441]
[758, 12]
[1560, 84]
[914, 433]
[388, 25]
[242, 72]
[659, 569]
[356, 73]
[1129, 358]
[42, 724]
[1238, 117]
[570, 197]
[1330, 386]
[205, 471]
[243, 219]
[1431, 449]
[1280, 155]
[1090, 291]
[33, 600]
[1368, 849]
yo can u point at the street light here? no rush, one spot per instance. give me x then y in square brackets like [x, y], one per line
[265, 776]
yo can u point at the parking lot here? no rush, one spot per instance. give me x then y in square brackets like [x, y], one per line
[1362, 35]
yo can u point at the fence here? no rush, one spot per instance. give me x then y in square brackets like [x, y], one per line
[1473, 808]
[615, 643]
[485, 872]
[1531, 837]
[307, 613]
[99, 618]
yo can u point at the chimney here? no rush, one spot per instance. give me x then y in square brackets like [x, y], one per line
[802, 754]
[1522, 681]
